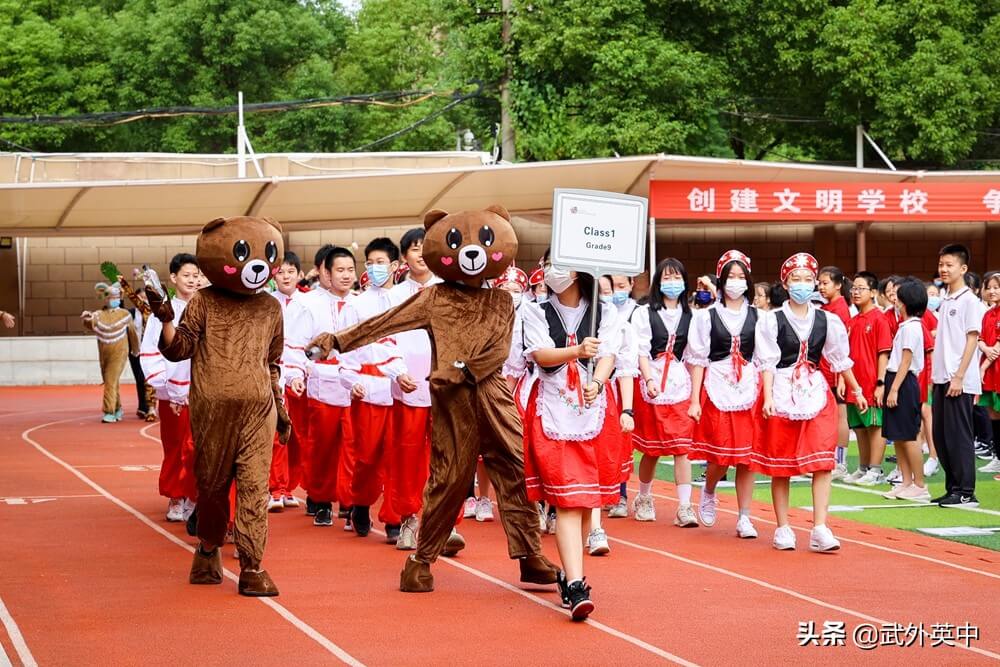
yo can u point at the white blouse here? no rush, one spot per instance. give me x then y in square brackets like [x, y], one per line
[836, 348]
[700, 333]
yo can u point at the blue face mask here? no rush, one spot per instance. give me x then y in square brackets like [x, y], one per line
[703, 297]
[605, 298]
[933, 303]
[542, 298]
[672, 288]
[378, 274]
[801, 292]
[619, 298]
[115, 303]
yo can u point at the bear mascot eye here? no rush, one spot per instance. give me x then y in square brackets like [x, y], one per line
[241, 250]
[453, 239]
[486, 236]
[271, 252]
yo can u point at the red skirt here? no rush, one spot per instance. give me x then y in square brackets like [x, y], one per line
[572, 473]
[723, 438]
[784, 447]
[662, 430]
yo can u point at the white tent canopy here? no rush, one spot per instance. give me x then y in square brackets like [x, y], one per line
[376, 198]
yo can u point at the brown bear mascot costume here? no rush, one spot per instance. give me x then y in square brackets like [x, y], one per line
[232, 332]
[472, 410]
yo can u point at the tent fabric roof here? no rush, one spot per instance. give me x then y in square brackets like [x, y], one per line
[353, 195]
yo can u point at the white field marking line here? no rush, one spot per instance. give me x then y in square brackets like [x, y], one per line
[917, 503]
[787, 591]
[282, 611]
[16, 638]
[4, 660]
[120, 465]
[77, 495]
[143, 433]
[635, 641]
[872, 545]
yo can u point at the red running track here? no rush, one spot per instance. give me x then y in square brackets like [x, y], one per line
[94, 575]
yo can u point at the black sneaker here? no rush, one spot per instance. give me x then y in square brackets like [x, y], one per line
[323, 517]
[984, 450]
[891, 459]
[361, 520]
[563, 589]
[311, 506]
[344, 512]
[391, 533]
[580, 604]
[956, 500]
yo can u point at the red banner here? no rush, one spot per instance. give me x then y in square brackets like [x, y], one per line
[837, 202]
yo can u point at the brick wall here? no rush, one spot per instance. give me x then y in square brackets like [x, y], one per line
[62, 271]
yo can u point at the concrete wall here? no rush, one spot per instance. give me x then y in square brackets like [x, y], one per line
[36, 360]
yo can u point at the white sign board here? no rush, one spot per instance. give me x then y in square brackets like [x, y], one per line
[599, 232]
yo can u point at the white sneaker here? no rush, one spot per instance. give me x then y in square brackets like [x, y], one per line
[541, 518]
[854, 476]
[188, 508]
[175, 510]
[619, 510]
[914, 492]
[597, 541]
[992, 466]
[644, 508]
[408, 534]
[745, 528]
[706, 508]
[274, 504]
[470, 508]
[290, 501]
[873, 477]
[894, 477]
[931, 466]
[839, 471]
[685, 517]
[784, 538]
[484, 510]
[894, 492]
[821, 539]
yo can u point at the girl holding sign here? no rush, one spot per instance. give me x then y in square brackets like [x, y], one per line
[662, 424]
[572, 428]
[724, 388]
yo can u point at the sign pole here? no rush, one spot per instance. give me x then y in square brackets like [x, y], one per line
[595, 304]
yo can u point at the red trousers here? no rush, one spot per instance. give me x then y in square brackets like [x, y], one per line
[373, 450]
[277, 484]
[297, 453]
[332, 433]
[286, 460]
[177, 471]
[411, 459]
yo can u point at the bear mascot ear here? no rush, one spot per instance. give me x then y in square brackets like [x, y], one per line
[274, 223]
[433, 216]
[218, 222]
[499, 210]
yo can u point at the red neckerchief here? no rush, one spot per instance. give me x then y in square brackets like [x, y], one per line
[668, 356]
[738, 361]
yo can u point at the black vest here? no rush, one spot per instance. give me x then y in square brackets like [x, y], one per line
[557, 331]
[789, 342]
[658, 344]
[721, 341]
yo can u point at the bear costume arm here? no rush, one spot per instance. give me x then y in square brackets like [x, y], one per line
[414, 313]
[187, 333]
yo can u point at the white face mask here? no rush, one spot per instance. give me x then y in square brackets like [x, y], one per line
[558, 279]
[517, 298]
[736, 287]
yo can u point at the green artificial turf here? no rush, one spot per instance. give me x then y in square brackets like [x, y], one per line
[904, 518]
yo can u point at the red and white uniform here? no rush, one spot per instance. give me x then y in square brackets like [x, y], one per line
[990, 334]
[329, 401]
[572, 452]
[722, 341]
[929, 324]
[518, 366]
[802, 435]
[286, 460]
[868, 337]
[662, 424]
[409, 464]
[374, 367]
[171, 381]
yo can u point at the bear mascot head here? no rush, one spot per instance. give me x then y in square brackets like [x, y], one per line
[240, 254]
[469, 247]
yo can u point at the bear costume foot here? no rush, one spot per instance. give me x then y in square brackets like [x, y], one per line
[206, 568]
[257, 584]
[416, 577]
[538, 569]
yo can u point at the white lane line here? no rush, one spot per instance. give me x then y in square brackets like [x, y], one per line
[916, 503]
[78, 495]
[16, 638]
[4, 660]
[122, 465]
[870, 545]
[635, 641]
[282, 611]
[786, 591]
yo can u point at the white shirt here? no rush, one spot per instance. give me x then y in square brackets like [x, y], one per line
[700, 333]
[315, 313]
[385, 355]
[170, 380]
[909, 336]
[836, 348]
[415, 347]
[960, 314]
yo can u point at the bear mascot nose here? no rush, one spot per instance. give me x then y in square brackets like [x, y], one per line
[257, 268]
[473, 254]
